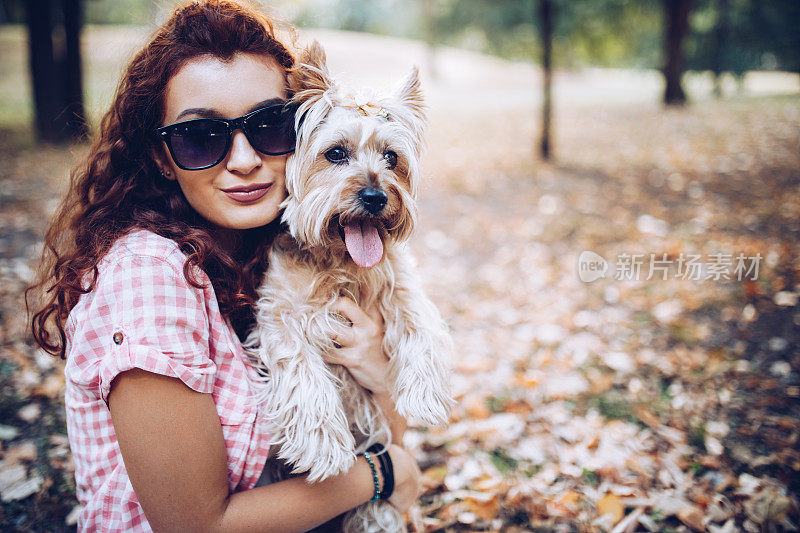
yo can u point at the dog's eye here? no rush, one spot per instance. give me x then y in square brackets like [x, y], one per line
[391, 159]
[336, 155]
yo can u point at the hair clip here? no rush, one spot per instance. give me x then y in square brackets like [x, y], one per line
[370, 109]
[362, 102]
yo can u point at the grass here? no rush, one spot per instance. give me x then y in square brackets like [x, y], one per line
[15, 85]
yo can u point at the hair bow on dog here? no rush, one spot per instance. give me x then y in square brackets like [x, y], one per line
[363, 102]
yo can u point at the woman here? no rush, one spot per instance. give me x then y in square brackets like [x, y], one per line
[151, 267]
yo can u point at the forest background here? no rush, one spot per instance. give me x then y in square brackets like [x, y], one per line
[656, 140]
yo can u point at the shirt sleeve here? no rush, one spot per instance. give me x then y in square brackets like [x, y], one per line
[149, 317]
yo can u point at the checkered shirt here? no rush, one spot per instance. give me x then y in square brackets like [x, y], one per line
[143, 314]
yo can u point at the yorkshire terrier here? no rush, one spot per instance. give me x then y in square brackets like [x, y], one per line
[352, 183]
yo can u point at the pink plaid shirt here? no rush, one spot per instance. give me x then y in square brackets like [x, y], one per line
[143, 314]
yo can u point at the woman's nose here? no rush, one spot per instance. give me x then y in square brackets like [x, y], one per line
[243, 157]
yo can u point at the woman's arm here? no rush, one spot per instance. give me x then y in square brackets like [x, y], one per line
[397, 424]
[172, 445]
[362, 353]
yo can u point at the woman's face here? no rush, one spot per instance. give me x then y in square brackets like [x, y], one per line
[208, 87]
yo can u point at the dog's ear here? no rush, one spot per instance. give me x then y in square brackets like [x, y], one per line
[311, 71]
[409, 94]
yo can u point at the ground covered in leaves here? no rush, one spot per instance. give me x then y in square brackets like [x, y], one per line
[621, 404]
[618, 404]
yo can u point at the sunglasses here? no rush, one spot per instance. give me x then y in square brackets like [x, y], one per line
[204, 142]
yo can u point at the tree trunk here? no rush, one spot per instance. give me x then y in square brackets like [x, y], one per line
[56, 72]
[429, 15]
[546, 14]
[676, 26]
[720, 45]
[74, 114]
[42, 65]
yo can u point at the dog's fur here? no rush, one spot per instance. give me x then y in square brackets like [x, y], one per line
[323, 417]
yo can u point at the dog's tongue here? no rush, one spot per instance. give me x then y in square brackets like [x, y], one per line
[363, 243]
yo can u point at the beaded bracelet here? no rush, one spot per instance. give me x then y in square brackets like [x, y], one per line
[387, 469]
[377, 494]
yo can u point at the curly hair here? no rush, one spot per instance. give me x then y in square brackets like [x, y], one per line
[119, 187]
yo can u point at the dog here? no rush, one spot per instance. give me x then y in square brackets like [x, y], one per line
[352, 182]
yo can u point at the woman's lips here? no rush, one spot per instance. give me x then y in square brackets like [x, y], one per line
[248, 194]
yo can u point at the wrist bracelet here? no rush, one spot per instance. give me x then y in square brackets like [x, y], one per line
[387, 469]
[377, 493]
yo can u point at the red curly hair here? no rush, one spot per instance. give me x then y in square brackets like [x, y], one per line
[118, 187]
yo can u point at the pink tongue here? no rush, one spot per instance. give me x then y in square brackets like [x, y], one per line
[363, 243]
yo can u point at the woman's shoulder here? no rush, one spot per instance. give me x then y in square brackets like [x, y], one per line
[139, 263]
[144, 244]
[140, 269]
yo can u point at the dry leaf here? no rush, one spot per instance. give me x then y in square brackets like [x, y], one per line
[434, 476]
[610, 504]
[484, 508]
[692, 516]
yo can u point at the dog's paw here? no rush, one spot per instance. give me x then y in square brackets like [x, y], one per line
[419, 400]
[323, 451]
[332, 461]
[374, 517]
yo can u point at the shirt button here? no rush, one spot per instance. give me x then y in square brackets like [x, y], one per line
[118, 338]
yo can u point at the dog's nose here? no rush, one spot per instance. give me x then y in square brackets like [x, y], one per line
[373, 198]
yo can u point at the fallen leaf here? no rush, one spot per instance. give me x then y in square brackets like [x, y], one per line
[610, 504]
[692, 516]
[475, 406]
[434, 476]
[484, 508]
[767, 507]
[22, 451]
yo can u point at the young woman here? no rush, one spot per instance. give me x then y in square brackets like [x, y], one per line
[150, 272]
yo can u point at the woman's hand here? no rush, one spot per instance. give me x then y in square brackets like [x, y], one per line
[361, 347]
[361, 352]
[408, 479]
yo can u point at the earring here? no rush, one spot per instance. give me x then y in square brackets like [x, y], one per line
[166, 173]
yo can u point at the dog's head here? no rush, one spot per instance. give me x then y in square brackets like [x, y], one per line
[353, 179]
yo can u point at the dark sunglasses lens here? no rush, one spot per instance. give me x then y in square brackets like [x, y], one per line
[272, 130]
[199, 143]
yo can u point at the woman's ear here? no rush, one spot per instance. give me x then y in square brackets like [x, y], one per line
[161, 161]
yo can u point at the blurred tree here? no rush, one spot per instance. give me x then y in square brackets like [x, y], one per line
[95, 11]
[612, 33]
[122, 11]
[385, 17]
[779, 22]
[719, 41]
[503, 27]
[546, 17]
[676, 26]
[11, 11]
[719, 47]
[428, 22]
[734, 36]
[55, 66]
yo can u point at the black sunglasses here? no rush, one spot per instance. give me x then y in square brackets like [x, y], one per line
[204, 142]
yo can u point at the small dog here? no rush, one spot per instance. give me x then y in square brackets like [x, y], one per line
[352, 183]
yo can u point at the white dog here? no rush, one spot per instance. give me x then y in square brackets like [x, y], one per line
[352, 184]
